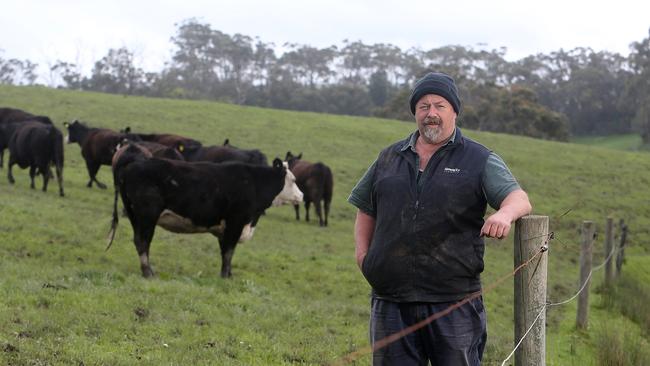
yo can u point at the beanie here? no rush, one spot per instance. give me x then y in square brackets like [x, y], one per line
[435, 83]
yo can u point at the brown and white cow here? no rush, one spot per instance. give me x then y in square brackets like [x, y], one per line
[316, 182]
[36, 146]
[224, 199]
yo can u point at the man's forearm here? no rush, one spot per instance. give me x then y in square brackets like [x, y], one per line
[364, 227]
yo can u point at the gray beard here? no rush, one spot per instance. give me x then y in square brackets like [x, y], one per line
[432, 134]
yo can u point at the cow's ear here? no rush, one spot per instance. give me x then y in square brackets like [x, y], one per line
[226, 142]
[277, 163]
[299, 156]
[127, 129]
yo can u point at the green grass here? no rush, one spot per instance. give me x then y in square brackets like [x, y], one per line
[628, 142]
[296, 296]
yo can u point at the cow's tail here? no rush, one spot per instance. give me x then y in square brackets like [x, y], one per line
[324, 175]
[328, 181]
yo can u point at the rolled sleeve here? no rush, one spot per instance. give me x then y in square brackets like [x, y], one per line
[498, 181]
[361, 195]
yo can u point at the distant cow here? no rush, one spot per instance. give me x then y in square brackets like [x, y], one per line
[183, 197]
[153, 148]
[316, 182]
[185, 145]
[36, 146]
[9, 120]
[97, 146]
[227, 152]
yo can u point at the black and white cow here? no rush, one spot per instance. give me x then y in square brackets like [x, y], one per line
[224, 199]
[36, 146]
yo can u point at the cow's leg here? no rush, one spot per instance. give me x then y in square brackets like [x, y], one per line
[46, 177]
[9, 165]
[297, 208]
[227, 244]
[93, 168]
[317, 208]
[59, 179]
[142, 240]
[326, 206]
[307, 210]
[32, 174]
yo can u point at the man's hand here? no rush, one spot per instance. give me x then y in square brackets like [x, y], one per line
[514, 206]
[497, 226]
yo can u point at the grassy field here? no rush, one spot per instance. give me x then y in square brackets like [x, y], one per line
[296, 296]
[627, 142]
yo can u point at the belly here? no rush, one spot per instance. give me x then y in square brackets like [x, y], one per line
[171, 221]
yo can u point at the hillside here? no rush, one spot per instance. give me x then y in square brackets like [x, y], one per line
[296, 296]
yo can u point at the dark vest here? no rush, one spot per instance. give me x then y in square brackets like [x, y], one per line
[426, 245]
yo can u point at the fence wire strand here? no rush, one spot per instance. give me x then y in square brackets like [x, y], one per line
[395, 336]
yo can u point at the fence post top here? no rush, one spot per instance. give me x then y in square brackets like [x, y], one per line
[533, 217]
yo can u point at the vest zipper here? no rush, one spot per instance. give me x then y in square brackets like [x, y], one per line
[417, 203]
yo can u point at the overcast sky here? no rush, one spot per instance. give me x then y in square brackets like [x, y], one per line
[82, 31]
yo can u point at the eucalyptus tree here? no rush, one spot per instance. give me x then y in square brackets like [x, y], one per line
[309, 66]
[17, 72]
[638, 87]
[116, 73]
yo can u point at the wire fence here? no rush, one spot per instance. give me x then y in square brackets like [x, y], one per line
[543, 248]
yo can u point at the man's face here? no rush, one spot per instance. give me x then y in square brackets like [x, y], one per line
[435, 117]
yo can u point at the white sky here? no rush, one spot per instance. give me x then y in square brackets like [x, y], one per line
[82, 31]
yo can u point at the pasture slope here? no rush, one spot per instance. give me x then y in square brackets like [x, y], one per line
[296, 296]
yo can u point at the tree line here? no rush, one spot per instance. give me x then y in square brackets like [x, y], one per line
[550, 96]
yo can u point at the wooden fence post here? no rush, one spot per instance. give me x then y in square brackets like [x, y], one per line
[609, 246]
[621, 247]
[531, 233]
[588, 231]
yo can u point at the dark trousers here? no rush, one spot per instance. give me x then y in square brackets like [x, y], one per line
[457, 338]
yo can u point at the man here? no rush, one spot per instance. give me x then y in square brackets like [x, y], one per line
[419, 231]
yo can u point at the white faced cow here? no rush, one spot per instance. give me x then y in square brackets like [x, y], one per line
[224, 199]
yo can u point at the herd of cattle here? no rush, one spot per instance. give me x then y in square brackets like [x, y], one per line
[169, 180]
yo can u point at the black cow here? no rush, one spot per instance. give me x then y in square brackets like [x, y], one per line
[97, 146]
[227, 152]
[184, 197]
[37, 145]
[9, 120]
[185, 145]
[316, 182]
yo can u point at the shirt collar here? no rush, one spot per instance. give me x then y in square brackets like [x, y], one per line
[410, 143]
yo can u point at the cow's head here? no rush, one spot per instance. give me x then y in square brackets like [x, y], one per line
[290, 192]
[76, 131]
[291, 159]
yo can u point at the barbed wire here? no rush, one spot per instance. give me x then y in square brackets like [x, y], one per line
[395, 336]
[548, 304]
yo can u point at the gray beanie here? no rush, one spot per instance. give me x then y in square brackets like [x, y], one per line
[435, 83]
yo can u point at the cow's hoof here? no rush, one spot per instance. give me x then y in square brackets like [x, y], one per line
[147, 273]
[101, 185]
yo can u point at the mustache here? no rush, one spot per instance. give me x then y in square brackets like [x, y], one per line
[434, 119]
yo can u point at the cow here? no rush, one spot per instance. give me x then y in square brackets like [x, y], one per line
[316, 182]
[185, 145]
[97, 146]
[153, 149]
[36, 146]
[227, 152]
[10, 118]
[224, 199]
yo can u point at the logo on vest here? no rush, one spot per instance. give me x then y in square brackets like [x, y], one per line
[452, 170]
